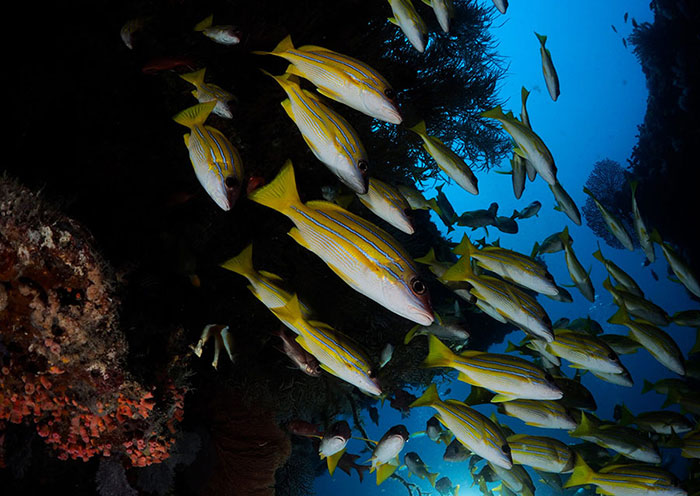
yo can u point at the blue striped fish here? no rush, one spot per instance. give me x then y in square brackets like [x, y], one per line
[509, 376]
[330, 137]
[207, 92]
[516, 479]
[334, 351]
[539, 413]
[341, 78]
[216, 162]
[584, 351]
[410, 22]
[475, 431]
[578, 274]
[386, 202]
[363, 255]
[541, 453]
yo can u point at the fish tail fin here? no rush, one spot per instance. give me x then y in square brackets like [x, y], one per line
[439, 355]
[647, 386]
[432, 477]
[621, 317]
[455, 490]
[459, 271]
[433, 204]
[283, 46]
[656, 237]
[583, 474]
[195, 115]
[204, 24]
[428, 259]
[242, 263]
[607, 284]
[542, 38]
[494, 113]
[385, 471]
[419, 129]
[411, 334]
[511, 347]
[332, 461]
[281, 193]
[588, 192]
[284, 80]
[464, 248]
[633, 186]
[626, 417]
[585, 427]
[564, 235]
[196, 78]
[535, 249]
[430, 397]
[524, 94]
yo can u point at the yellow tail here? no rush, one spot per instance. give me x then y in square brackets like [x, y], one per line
[195, 115]
[420, 129]
[460, 271]
[583, 474]
[465, 247]
[242, 263]
[430, 397]
[196, 78]
[333, 460]
[204, 24]
[283, 46]
[432, 478]
[385, 471]
[281, 194]
[439, 355]
[428, 259]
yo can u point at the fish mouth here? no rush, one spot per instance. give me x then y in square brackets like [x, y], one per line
[422, 316]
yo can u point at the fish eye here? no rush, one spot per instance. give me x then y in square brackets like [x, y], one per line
[231, 182]
[390, 94]
[505, 448]
[418, 287]
[362, 165]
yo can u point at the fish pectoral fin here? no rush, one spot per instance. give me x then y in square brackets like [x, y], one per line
[429, 3]
[502, 398]
[393, 21]
[326, 368]
[464, 378]
[296, 236]
[186, 137]
[518, 151]
[287, 106]
[328, 94]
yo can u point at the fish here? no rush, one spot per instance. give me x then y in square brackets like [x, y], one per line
[444, 209]
[624, 440]
[501, 5]
[612, 222]
[643, 234]
[417, 466]
[303, 428]
[578, 274]
[625, 480]
[550, 73]
[444, 485]
[530, 145]
[208, 92]
[562, 295]
[509, 301]
[444, 11]
[336, 353]
[360, 253]
[474, 430]
[511, 265]
[386, 202]
[329, 136]
[509, 376]
[385, 457]
[517, 164]
[623, 379]
[541, 453]
[435, 432]
[385, 356]
[551, 244]
[128, 31]
[507, 225]
[524, 116]
[222, 34]
[576, 395]
[222, 338]
[584, 351]
[678, 265]
[305, 361]
[667, 386]
[531, 210]
[621, 344]
[333, 442]
[516, 479]
[657, 342]
[373, 414]
[539, 413]
[540, 346]
[660, 421]
[618, 274]
[401, 401]
[565, 203]
[552, 480]
[415, 198]
[456, 452]
[479, 218]
[637, 306]
[689, 318]
[691, 445]
[437, 267]
[348, 462]
[587, 325]
[160, 64]
[448, 161]
[444, 329]
[407, 18]
[341, 78]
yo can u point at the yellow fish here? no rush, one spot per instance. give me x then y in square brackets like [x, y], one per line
[578, 274]
[363, 255]
[444, 11]
[679, 266]
[550, 73]
[541, 453]
[386, 202]
[216, 162]
[584, 351]
[613, 224]
[406, 17]
[207, 92]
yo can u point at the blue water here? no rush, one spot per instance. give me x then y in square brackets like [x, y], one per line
[602, 101]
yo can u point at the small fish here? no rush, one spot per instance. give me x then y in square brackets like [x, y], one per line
[501, 5]
[456, 452]
[626, 16]
[612, 223]
[584, 351]
[550, 73]
[305, 361]
[129, 30]
[551, 244]
[208, 92]
[401, 401]
[689, 318]
[618, 274]
[435, 432]
[448, 161]
[348, 462]
[517, 163]
[524, 117]
[660, 422]
[506, 225]
[444, 485]
[541, 453]
[531, 210]
[335, 352]
[254, 182]
[509, 301]
[643, 234]
[623, 379]
[415, 198]
[222, 338]
[387, 203]
[668, 386]
[385, 457]
[621, 344]
[341, 78]
[562, 295]
[613, 27]
[444, 11]
[565, 203]
[417, 466]
[303, 428]
[678, 265]
[578, 274]
[406, 17]
[637, 306]
[386, 355]
[530, 145]
[373, 414]
[657, 342]
[333, 442]
[511, 377]
[360, 253]
[329, 136]
[216, 162]
[479, 218]
[160, 64]
[224, 35]
[447, 330]
[539, 413]
[444, 209]
[624, 480]
[475, 431]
